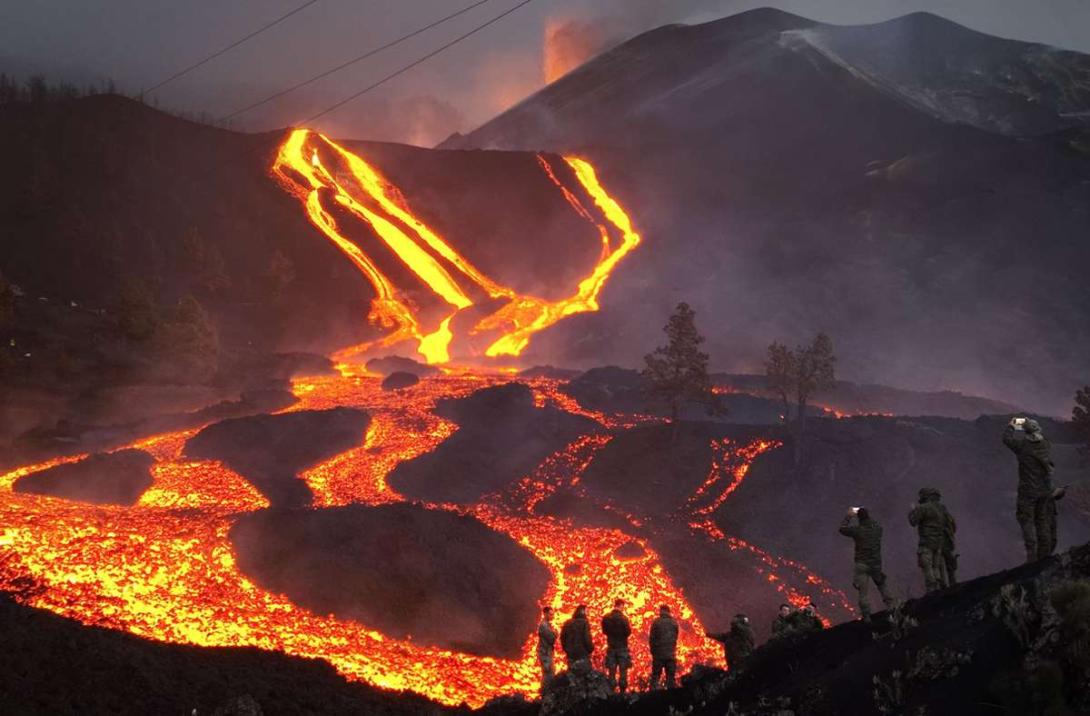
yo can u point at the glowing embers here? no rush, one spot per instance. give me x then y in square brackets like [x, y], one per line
[331, 181]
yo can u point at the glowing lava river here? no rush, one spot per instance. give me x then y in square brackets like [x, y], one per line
[164, 568]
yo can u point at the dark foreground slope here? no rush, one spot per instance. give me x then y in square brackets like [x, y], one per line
[1014, 642]
[51, 665]
[913, 188]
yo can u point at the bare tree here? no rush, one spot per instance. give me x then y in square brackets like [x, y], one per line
[799, 374]
[678, 372]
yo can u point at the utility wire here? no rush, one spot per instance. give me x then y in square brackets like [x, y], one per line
[354, 60]
[411, 65]
[230, 47]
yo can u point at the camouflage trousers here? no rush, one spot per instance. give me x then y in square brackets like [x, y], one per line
[863, 576]
[933, 564]
[1037, 518]
[545, 658]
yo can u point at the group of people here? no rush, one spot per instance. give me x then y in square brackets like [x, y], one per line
[1035, 511]
[578, 645]
[936, 553]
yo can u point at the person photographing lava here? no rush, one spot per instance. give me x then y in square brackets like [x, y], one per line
[867, 535]
[617, 629]
[546, 645]
[576, 641]
[1035, 508]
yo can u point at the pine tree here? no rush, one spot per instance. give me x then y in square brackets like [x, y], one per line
[678, 371]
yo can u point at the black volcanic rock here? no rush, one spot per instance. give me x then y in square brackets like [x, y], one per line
[270, 450]
[501, 437]
[1003, 643]
[116, 478]
[53, 665]
[399, 380]
[442, 578]
[397, 364]
[609, 389]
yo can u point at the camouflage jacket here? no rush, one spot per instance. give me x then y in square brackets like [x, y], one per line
[868, 540]
[1034, 463]
[546, 637]
[575, 638]
[932, 522]
[663, 638]
[617, 629]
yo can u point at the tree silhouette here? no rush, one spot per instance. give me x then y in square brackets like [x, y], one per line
[678, 372]
[799, 374]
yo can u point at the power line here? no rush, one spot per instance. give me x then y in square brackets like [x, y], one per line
[230, 47]
[354, 60]
[411, 65]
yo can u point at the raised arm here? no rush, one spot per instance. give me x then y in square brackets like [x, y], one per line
[847, 528]
[1013, 438]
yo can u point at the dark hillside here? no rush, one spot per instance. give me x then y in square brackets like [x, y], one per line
[784, 187]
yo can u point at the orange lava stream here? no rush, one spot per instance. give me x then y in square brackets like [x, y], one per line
[734, 460]
[164, 568]
[369, 197]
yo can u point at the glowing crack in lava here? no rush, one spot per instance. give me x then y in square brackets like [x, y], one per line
[326, 177]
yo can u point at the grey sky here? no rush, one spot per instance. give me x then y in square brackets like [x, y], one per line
[139, 42]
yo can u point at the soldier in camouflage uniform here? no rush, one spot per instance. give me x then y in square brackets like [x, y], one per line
[575, 640]
[1036, 506]
[867, 535]
[546, 644]
[932, 522]
[738, 643]
[781, 625]
[617, 629]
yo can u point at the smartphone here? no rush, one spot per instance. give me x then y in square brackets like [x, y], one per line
[1019, 423]
[855, 510]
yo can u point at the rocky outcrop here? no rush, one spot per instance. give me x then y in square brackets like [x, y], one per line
[270, 450]
[439, 577]
[116, 478]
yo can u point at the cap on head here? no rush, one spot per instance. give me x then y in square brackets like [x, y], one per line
[1032, 426]
[862, 514]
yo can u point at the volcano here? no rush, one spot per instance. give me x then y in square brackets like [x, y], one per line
[898, 186]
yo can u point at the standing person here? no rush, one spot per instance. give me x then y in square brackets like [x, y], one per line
[867, 535]
[617, 629]
[781, 625]
[1036, 506]
[949, 551]
[738, 643]
[663, 643]
[575, 640]
[546, 646]
[931, 520]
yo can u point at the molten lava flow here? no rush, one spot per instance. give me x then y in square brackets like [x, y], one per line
[730, 465]
[352, 185]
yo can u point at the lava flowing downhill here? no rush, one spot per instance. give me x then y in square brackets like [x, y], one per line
[165, 569]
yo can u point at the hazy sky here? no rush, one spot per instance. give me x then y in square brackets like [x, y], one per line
[139, 42]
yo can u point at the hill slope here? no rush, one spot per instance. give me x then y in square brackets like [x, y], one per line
[792, 177]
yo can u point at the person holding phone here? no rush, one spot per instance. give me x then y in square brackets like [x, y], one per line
[1035, 508]
[867, 535]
